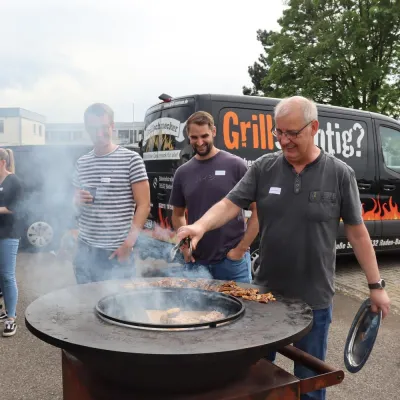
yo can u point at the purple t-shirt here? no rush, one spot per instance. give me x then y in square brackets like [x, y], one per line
[198, 185]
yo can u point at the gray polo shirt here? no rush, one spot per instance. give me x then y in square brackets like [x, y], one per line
[299, 217]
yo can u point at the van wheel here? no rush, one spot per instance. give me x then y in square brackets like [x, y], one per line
[39, 235]
[255, 261]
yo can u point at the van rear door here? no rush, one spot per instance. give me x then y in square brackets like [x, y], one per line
[164, 148]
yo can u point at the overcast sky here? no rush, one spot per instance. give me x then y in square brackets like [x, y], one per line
[57, 57]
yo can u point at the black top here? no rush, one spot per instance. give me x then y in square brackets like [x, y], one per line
[10, 197]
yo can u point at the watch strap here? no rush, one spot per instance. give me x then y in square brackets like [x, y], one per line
[377, 285]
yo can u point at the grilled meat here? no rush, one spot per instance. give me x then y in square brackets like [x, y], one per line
[229, 287]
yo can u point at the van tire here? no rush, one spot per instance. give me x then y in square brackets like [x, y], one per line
[39, 236]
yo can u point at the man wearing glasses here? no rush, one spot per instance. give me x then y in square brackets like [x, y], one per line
[301, 193]
[108, 181]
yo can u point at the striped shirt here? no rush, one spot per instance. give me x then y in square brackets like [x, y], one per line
[106, 222]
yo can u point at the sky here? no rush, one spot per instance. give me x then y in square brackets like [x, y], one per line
[57, 57]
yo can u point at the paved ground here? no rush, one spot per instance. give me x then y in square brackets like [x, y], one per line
[350, 278]
[30, 369]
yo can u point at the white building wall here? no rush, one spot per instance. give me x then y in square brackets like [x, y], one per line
[10, 134]
[33, 132]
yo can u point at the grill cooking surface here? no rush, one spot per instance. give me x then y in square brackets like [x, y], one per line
[66, 318]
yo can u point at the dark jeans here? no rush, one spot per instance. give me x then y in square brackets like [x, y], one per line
[225, 270]
[92, 264]
[314, 343]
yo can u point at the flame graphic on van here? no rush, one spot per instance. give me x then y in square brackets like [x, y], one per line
[385, 211]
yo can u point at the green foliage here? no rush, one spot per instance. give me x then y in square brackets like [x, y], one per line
[339, 52]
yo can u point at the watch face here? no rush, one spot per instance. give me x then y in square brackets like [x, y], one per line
[383, 283]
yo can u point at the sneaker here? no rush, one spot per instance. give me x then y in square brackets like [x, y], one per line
[3, 315]
[10, 328]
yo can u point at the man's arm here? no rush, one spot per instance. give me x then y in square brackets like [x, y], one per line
[178, 202]
[178, 217]
[141, 194]
[218, 215]
[360, 240]
[5, 210]
[251, 231]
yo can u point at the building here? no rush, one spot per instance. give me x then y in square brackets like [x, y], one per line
[125, 133]
[21, 127]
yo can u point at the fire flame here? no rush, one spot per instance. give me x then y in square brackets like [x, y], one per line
[385, 211]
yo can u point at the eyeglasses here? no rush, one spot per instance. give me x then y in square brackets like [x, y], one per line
[289, 134]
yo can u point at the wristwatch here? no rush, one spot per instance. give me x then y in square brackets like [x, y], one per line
[379, 285]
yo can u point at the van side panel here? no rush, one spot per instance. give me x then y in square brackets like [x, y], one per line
[246, 130]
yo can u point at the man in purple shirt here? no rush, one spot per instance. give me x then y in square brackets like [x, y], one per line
[199, 184]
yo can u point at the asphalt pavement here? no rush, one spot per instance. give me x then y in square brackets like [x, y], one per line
[31, 369]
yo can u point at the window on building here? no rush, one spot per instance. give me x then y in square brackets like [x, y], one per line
[1, 126]
[40, 130]
[34, 129]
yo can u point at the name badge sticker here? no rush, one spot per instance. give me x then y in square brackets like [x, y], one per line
[274, 190]
[219, 172]
[105, 180]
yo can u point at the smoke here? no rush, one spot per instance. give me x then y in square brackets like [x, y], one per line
[47, 174]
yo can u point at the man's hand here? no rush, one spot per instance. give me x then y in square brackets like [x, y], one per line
[195, 232]
[83, 197]
[380, 300]
[122, 253]
[236, 253]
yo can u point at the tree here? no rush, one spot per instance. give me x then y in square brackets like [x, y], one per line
[339, 52]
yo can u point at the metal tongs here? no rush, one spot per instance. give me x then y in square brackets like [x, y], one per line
[178, 246]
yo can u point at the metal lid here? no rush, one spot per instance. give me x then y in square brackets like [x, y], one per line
[361, 337]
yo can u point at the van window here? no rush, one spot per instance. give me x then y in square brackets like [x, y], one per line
[390, 139]
[165, 134]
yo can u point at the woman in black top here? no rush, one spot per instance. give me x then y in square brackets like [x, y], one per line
[10, 197]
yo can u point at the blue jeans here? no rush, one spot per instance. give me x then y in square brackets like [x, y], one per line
[225, 270]
[314, 343]
[92, 264]
[8, 283]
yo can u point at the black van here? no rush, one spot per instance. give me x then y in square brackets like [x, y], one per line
[368, 142]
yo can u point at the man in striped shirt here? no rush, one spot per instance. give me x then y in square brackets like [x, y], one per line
[108, 181]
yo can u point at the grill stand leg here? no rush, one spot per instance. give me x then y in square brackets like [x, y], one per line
[73, 387]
